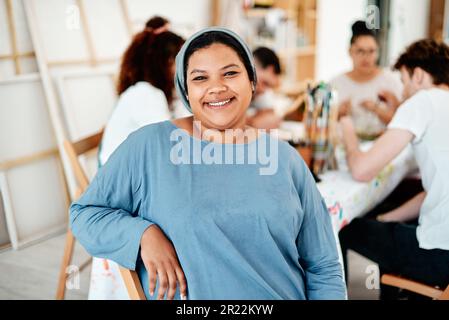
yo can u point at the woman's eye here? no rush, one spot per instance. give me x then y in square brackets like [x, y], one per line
[199, 78]
[231, 73]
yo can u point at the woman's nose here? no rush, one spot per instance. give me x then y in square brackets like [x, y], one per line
[217, 87]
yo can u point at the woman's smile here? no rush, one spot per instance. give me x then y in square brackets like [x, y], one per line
[220, 103]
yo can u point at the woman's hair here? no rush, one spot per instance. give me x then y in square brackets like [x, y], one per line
[149, 58]
[360, 29]
[156, 22]
[211, 37]
[266, 58]
[429, 55]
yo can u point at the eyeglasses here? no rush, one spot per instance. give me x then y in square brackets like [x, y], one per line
[361, 52]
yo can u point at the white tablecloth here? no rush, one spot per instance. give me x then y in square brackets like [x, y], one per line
[347, 199]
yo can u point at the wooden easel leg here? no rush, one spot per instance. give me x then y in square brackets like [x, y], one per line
[67, 258]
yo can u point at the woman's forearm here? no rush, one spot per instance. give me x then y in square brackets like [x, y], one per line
[108, 233]
[353, 153]
[408, 211]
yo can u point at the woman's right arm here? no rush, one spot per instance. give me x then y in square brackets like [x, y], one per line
[106, 219]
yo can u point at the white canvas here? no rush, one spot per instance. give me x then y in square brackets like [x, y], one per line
[60, 25]
[36, 202]
[107, 27]
[25, 127]
[87, 100]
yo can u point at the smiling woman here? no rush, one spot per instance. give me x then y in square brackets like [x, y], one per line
[217, 93]
[212, 229]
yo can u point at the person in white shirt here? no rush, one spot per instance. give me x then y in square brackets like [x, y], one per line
[262, 111]
[146, 95]
[145, 85]
[419, 252]
[366, 91]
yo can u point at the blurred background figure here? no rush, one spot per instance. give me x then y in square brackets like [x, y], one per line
[268, 70]
[145, 85]
[262, 108]
[368, 93]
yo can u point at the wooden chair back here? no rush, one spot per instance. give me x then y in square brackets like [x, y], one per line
[74, 150]
[414, 286]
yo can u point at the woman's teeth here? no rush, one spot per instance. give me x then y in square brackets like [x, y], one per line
[219, 103]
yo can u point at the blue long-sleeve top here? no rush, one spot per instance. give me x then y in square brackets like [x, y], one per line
[238, 234]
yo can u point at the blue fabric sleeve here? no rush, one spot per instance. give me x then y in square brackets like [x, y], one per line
[316, 241]
[106, 220]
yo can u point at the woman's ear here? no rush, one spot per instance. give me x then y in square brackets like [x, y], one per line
[253, 87]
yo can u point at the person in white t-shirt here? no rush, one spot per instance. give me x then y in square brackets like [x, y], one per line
[262, 112]
[366, 92]
[145, 85]
[146, 95]
[418, 252]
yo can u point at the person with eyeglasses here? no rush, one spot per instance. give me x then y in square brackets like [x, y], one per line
[367, 93]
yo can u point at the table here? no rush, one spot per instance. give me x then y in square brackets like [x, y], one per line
[347, 199]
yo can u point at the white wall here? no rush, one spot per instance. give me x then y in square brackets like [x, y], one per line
[409, 22]
[333, 35]
[186, 16]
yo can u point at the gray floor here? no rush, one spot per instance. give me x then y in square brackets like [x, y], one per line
[32, 273]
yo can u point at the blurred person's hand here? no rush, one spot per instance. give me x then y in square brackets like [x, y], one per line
[161, 261]
[369, 105]
[265, 119]
[389, 98]
[344, 109]
[346, 123]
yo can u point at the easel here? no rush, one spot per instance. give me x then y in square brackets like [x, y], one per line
[15, 55]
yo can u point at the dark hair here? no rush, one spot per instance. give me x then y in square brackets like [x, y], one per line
[360, 29]
[149, 58]
[156, 22]
[429, 55]
[266, 58]
[211, 37]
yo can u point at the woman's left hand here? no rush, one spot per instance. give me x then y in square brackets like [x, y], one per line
[369, 105]
[162, 264]
[346, 123]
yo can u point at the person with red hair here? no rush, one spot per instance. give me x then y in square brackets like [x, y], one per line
[145, 84]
